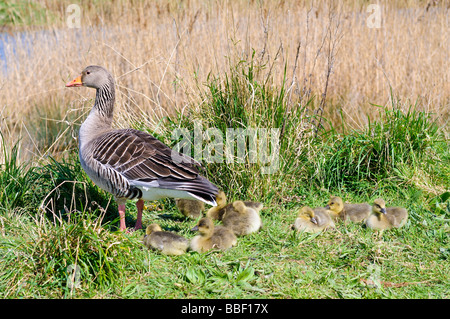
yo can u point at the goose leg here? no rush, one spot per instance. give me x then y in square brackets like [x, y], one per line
[123, 227]
[140, 208]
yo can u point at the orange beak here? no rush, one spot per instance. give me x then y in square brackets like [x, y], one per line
[76, 82]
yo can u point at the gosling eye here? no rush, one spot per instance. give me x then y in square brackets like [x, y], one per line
[88, 72]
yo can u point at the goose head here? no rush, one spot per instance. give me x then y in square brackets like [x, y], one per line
[152, 228]
[93, 76]
[335, 204]
[205, 226]
[239, 206]
[308, 214]
[379, 206]
[221, 199]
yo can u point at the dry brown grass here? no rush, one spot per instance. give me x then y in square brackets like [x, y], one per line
[161, 53]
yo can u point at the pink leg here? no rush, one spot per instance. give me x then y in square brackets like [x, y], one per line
[123, 227]
[140, 208]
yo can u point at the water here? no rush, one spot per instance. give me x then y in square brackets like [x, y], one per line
[19, 45]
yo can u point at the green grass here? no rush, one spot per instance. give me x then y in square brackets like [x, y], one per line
[23, 13]
[52, 217]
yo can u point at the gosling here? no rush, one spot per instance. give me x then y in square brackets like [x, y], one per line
[190, 208]
[313, 221]
[242, 220]
[218, 237]
[386, 218]
[353, 212]
[217, 212]
[166, 242]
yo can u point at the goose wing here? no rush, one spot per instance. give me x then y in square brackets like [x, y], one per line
[145, 161]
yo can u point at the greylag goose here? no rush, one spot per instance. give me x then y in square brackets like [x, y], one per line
[166, 242]
[131, 164]
[242, 220]
[217, 212]
[383, 217]
[212, 237]
[313, 221]
[353, 212]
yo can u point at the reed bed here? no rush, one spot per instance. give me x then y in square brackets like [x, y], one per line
[162, 53]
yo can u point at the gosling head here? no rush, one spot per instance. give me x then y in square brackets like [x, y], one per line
[335, 204]
[379, 206]
[93, 76]
[239, 206]
[306, 212]
[204, 226]
[221, 199]
[152, 228]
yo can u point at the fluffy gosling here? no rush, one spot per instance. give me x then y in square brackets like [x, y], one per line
[353, 212]
[190, 208]
[212, 237]
[166, 242]
[242, 220]
[386, 218]
[217, 212]
[313, 221]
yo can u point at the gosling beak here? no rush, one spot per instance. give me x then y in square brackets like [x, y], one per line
[75, 82]
[383, 210]
[327, 207]
[314, 220]
[195, 228]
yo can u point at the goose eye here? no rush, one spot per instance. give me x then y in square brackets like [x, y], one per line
[88, 72]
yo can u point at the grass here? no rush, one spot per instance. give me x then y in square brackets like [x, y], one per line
[22, 13]
[384, 150]
[61, 221]
[59, 233]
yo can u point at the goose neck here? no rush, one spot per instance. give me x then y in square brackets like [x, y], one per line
[104, 100]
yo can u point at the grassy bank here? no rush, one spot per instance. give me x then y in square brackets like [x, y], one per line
[53, 219]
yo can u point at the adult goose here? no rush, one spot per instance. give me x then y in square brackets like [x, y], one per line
[131, 164]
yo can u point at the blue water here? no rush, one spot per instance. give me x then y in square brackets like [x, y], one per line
[11, 44]
[7, 41]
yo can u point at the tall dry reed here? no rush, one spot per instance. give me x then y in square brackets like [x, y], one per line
[161, 53]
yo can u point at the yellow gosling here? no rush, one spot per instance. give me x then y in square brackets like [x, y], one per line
[166, 242]
[190, 208]
[242, 220]
[386, 218]
[313, 221]
[212, 237]
[217, 212]
[339, 210]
